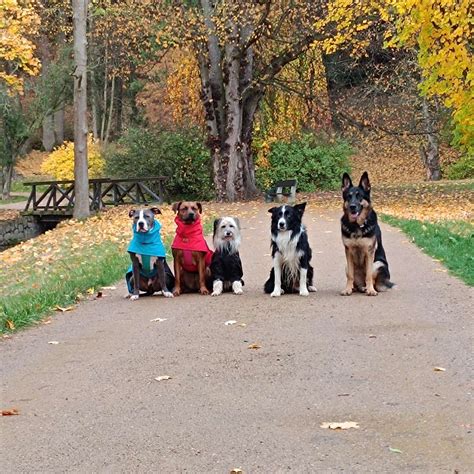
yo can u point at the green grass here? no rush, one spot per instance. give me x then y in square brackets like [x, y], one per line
[451, 242]
[30, 297]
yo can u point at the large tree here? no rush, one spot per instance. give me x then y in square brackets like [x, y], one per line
[241, 46]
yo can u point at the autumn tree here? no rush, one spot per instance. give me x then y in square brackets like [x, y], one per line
[441, 32]
[241, 47]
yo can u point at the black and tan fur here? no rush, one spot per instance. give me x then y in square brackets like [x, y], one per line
[367, 267]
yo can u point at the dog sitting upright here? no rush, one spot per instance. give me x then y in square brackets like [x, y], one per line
[291, 253]
[191, 253]
[367, 267]
[226, 266]
[149, 271]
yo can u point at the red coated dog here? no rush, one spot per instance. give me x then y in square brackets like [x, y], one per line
[191, 253]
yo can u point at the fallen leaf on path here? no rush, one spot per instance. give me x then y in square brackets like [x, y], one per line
[158, 320]
[230, 322]
[99, 294]
[90, 291]
[439, 369]
[163, 377]
[343, 394]
[236, 470]
[63, 309]
[254, 346]
[109, 287]
[10, 325]
[344, 425]
[242, 325]
[11, 412]
[395, 450]
[53, 342]
[372, 336]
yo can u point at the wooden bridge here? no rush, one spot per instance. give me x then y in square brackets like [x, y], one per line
[56, 202]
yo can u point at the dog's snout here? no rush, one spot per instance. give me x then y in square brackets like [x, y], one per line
[281, 225]
[228, 233]
[353, 207]
[141, 224]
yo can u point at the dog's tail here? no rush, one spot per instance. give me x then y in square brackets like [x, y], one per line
[270, 283]
[383, 277]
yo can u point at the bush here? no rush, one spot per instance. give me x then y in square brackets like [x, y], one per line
[462, 169]
[182, 156]
[60, 162]
[317, 165]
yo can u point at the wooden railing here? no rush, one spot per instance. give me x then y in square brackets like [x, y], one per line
[58, 198]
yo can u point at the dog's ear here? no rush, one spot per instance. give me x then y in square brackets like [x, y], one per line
[364, 182]
[155, 210]
[346, 182]
[272, 210]
[176, 206]
[199, 205]
[237, 222]
[216, 225]
[300, 208]
[131, 212]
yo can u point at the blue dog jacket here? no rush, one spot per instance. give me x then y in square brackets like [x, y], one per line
[147, 244]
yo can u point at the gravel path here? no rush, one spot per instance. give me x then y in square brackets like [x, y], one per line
[91, 402]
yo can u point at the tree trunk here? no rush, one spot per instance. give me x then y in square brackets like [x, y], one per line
[111, 112]
[430, 153]
[7, 181]
[81, 185]
[48, 133]
[59, 125]
[119, 107]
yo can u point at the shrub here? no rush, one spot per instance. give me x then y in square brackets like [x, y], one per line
[182, 156]
[316, 164]
[60, 162]
[462, 169]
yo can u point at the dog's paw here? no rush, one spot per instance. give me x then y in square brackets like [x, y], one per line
[346, 292]
[275, 293]
[204, 291]
[134, 297]
[176, 292]
[312, 289]
[304, 293]
[237, 288]
[168, 294]
[371, 292]
[215, 293]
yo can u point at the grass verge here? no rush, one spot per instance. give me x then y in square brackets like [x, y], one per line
[451, 242]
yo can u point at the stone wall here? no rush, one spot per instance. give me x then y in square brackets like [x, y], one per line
[17, 230]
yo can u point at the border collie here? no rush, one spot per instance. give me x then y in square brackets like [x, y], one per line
[226, 266]
[291, 253]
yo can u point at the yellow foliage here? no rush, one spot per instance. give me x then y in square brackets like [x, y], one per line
[441, 31]
[15, 48]
[60, 162]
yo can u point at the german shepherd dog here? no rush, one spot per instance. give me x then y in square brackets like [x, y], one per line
[367, 267]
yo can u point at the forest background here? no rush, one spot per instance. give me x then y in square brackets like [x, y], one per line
[227, 97]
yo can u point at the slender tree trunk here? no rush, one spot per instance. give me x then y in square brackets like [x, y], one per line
[111, 111]
[430, 153]
[7, 180]
[104, 99]
[119, 107]
[48, 133]
[81, 186]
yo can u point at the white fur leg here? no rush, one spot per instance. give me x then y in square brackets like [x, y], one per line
[134, 297]
[277, 271]
[168, 294]
[312, 289]
[237, 287]
[217, 288]
[303, 284]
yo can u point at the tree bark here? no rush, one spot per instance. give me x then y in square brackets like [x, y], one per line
[430, 153]
[81, 185]
[111, 112]
[59, 125]
[7, 181]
